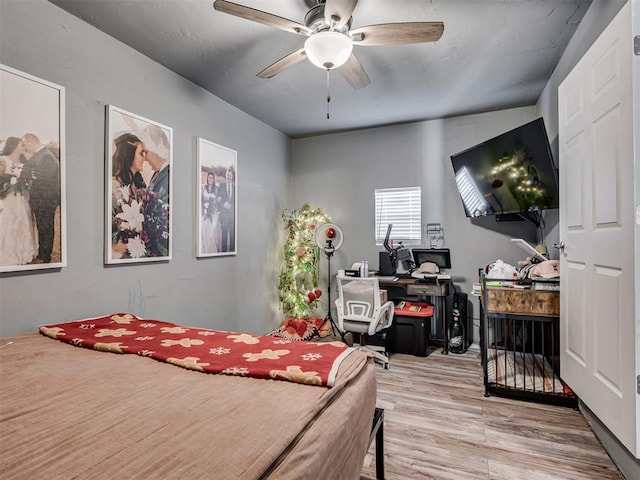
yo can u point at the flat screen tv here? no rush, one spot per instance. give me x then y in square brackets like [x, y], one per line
[510, 174]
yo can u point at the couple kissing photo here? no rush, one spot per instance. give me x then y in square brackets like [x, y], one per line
[31, 173]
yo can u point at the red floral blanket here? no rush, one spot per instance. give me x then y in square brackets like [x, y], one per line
[210, 351]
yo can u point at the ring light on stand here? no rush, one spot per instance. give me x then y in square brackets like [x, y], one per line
[328, 238]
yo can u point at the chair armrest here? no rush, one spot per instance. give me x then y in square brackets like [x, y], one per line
[382, 318]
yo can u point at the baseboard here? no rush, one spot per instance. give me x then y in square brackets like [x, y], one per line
[474, 347]
[624, 460]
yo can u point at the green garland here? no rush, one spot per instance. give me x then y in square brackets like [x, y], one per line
[298, 285]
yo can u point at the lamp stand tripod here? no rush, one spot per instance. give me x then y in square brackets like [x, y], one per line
[328, 251]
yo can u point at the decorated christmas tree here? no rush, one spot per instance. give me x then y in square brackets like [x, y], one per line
[299, 292]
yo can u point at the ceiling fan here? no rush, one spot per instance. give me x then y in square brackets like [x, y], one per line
[330, 39]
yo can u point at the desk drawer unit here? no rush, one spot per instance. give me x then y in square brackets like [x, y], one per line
[427, 289]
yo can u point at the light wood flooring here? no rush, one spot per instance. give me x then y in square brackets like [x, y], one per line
[438, 425]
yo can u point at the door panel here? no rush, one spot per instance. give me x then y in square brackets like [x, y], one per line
[574, 198]
[607, 358]
[606, 170]
[575, 330]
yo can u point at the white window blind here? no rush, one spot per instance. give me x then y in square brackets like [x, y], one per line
[400, 207]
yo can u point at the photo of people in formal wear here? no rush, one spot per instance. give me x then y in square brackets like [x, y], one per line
[31, 178]
[139, 157]
[217, 203]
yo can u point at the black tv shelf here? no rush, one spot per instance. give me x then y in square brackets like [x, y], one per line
[532, 217]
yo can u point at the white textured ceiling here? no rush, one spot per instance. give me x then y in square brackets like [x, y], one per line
[493, 55]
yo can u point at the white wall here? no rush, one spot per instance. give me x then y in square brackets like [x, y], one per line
[340, 172]
[96, 70]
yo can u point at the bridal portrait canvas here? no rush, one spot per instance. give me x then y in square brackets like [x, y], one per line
[32, 200]
[217, 174]
[139, 186]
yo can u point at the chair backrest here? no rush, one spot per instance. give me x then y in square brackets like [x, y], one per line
[360, 297]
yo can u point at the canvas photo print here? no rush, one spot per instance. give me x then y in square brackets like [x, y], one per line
[32, 214]
[217, 202]
[138, 186]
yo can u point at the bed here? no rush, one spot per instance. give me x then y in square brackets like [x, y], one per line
[69, 412]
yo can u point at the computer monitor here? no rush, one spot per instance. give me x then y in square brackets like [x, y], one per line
[440, 256]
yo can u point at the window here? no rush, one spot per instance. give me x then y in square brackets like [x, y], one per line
[401, 208]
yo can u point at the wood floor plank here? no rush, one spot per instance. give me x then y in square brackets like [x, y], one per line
[439, 425]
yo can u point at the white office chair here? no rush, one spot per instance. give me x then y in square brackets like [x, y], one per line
[360, 311]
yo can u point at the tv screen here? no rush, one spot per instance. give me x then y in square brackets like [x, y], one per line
[511, 173]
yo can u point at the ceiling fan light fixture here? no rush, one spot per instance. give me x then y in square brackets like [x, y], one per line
[328, 50]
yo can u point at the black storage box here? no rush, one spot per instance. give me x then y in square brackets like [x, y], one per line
[411, 328]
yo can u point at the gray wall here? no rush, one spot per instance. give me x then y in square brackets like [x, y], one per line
[43, 40]
[596, 19]
[350, 166]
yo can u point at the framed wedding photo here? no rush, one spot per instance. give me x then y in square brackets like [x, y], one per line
[217, 176]
[138, 188]
[32, 179]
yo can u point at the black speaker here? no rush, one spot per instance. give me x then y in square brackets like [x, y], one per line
[461, 299]
[387, 267]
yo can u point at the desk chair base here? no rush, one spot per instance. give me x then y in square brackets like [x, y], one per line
[380, 353]
[382, 357]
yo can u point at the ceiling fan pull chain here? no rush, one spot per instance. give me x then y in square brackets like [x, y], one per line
[328, 94]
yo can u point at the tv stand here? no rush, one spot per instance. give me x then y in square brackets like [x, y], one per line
[532, 217]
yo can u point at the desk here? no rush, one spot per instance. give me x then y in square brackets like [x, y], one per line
[412, 287]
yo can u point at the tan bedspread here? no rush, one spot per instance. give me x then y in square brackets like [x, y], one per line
[67, 412]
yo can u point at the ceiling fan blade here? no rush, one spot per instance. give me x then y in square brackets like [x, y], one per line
[338, 11]
[397, 33]
[259, 16]
[285, 62]
[354, 73]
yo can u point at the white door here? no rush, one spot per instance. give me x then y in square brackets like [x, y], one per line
[597, 317]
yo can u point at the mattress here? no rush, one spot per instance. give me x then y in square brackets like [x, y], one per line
[68, 412]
